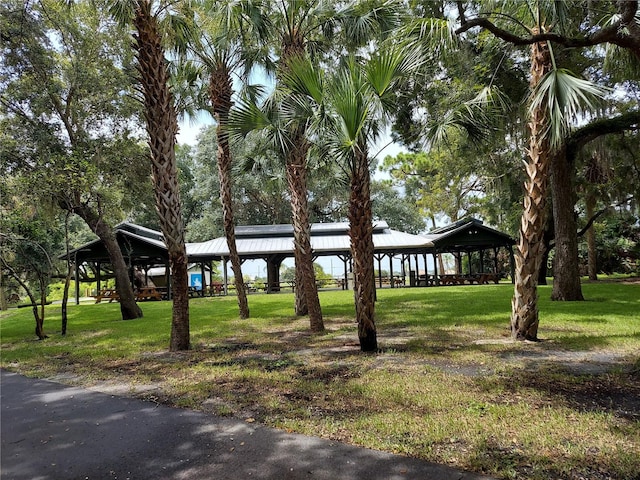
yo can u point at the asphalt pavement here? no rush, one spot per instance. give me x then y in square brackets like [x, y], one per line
[51, 431]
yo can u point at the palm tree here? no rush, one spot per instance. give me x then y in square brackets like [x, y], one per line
[298, 24]
[556, 97]
[230, 30]
[162, 127]
[350, 111]
[276, 119]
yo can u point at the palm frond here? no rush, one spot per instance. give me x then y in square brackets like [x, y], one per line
[364, 20]
[565, 97]
[122, 11]
[247, 117]
[302, 77]
[476, 117]
[435, 37]
[389, 65]
[188, 88]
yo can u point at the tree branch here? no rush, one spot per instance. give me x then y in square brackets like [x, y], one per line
[599, 213]
[580, 137]
[613, 33]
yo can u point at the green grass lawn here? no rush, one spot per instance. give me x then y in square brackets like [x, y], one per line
[447, 385]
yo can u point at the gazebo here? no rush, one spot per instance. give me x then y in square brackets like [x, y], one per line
[141, 247]
[464, 238]
[144, 248]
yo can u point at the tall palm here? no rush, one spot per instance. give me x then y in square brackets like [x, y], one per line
[296, 23]
[230, 32]
[162, 127]
[556, 97]
[304, 28]
[281, 123]
[351, 110]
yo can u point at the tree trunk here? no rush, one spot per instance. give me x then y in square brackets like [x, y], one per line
[36, 314]
[67, 279]
[548, 238]
[39, 331]
[162, 127]
[180, 336]
[293, 45]
[220, 92]
[128, 306]
[591, 238]
[65, 300]
[297, 179]
[566, 272]
[361, 235]
[530, 247]
[3, 298]
[300, 299]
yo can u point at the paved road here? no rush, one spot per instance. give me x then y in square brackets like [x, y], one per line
[53, 431]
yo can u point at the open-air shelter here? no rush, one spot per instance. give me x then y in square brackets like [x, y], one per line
[144, 248]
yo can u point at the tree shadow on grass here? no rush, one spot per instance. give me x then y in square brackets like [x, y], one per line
[518, 462]
[615, 392]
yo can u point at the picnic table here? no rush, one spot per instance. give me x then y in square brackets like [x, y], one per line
[148, 293]
[480, 279]
[141, 294]
[109, 293]
[485, 278]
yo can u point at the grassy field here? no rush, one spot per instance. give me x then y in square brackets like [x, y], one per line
[447, 385]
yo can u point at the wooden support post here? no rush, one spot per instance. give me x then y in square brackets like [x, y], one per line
[76, 272]
[225, 275]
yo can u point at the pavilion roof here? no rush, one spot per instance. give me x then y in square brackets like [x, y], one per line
[261, 241]
[258, 241]
[468, 234]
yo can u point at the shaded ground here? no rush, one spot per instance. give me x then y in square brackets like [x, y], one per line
[585, 380]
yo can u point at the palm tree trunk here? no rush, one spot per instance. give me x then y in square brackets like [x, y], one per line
[300, 299]
[162, 127]
[220, 92]
[566, 272]
[297, 179]
[293, 45]
[530, 247]
[361, 235]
